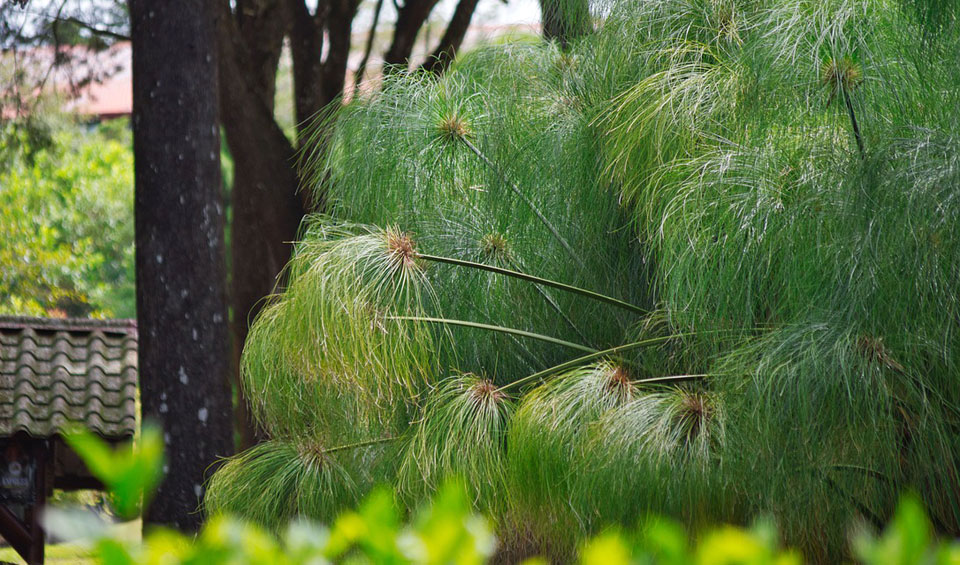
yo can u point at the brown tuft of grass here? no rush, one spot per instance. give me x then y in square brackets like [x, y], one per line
[453, 127]
[840, 75]
[494, 246]
[402, 249]
[485, 390]
[695, 411]
[313, 453]
[620, 381]
[874, 351]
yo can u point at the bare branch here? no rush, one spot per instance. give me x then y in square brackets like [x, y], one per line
[361, 69]
[452, 39]
[58, 18]
[96, 30]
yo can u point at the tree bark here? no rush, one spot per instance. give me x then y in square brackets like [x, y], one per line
[446, 50]
[565, 20]
[318, 82]
[181, 273]
[267, 208]
[339, 21]
[306, 45]
[262, 25]
[410, 19]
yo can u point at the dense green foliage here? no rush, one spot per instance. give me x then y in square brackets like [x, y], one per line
[765, 194]
[66, 219]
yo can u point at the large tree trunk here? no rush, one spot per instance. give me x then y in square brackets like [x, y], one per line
[262, 23]
[266, 206]
[181, 272]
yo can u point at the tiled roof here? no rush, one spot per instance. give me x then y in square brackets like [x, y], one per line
[57, 371]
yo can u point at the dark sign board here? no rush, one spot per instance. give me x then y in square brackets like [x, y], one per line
[17, 471]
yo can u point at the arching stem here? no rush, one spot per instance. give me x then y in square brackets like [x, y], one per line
[556, 307]
[671, 378]
[536, 280]
[593, 356]
[492, 328]
[553, 304]
[359, 444]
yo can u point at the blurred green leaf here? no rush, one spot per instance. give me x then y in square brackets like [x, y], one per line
[606, 549]
[131, 473]
[113, 552]
[730, 545]
[905, 541]
[667, 540]
[373, 529]
[449, 532]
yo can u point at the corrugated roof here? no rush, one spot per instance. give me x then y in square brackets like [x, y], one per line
[57, 371]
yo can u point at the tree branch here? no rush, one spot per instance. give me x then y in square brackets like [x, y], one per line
[96, 30]
[79, 23]
[339, 21]
[446, 50]
[306, 44]
[410, 19]
[266, 206]
[262, 25]
[362, 67]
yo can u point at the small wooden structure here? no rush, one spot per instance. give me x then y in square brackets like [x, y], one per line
[54, 372]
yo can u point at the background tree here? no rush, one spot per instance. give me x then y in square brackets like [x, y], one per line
[66, 204]
[268, 204]
[181, 271]
[66, 219]
[39, 42]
